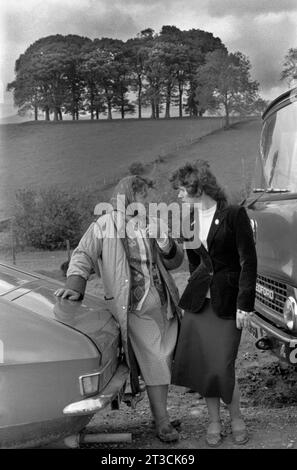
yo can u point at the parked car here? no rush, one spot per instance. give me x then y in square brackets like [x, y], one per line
[273, 213]
[60, 360]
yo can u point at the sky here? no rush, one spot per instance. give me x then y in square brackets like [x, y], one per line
[264, 30]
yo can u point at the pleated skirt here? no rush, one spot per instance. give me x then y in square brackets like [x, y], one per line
[153, 338]
[206, 352]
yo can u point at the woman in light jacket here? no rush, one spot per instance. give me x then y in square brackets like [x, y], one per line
[218, 298]
[142, 294]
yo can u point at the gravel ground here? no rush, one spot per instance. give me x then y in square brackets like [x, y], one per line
[269, 392]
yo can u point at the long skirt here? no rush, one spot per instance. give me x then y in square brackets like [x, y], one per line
[153, 338]
[206, 352]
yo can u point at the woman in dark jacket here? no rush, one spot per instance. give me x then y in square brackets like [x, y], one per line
[218, 298]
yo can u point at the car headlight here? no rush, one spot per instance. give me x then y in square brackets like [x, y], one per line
[89, 384]
[290, 313]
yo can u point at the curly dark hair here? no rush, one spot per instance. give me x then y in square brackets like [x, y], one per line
[197, 177]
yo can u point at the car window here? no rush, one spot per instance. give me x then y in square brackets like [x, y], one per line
[279, 149]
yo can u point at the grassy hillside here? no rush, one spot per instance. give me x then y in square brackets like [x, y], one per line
[79, 154]
[86, 153]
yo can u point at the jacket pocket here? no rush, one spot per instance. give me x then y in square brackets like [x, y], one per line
[233, 278]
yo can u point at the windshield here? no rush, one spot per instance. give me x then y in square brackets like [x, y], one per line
[278, 150]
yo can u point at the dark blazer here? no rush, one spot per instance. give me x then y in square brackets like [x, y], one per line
[228, 268]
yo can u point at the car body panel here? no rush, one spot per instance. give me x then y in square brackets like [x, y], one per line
[47, 345]
[276, 229]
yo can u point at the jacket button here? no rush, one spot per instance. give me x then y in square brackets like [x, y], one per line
[126, 280]
[123, 307]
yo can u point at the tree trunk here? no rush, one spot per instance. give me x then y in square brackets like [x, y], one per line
[56, 117]
[109, 114]
[139, 97]
[167, 112]
[60, 114]
[92, 105]
[35, 113]
[92, 98]
[97, 114]
[153, 115]
[180, 99]
[168, 100]
[123, 106]
[47, 114]
[227, 120]
[157, 111]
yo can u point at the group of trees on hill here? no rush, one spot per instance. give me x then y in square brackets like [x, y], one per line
[190, 69]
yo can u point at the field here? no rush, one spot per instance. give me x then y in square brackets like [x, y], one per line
[79, 154]
[268, 392]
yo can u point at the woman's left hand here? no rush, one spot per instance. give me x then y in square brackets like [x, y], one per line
[242, 319]
[158, 229]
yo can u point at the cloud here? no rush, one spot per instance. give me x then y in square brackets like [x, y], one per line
[22, 26]
[264, 30]
[89, 18]
[266, 41]
[249, 7]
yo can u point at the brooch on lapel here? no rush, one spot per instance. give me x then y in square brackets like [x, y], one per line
[217, 222]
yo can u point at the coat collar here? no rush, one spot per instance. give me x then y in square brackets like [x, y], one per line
[217, 220]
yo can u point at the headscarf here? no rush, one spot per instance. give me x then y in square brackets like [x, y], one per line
[122, 196]
[124, 188]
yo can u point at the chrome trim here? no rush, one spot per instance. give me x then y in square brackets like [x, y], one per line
[270, 314]
[81, 377]
[104, 398]
[276, 332]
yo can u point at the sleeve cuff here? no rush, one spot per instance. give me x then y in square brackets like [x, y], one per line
[172, 250]
[164, 245]
[76, 283]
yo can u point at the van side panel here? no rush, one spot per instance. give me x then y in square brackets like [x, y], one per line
[276, 238]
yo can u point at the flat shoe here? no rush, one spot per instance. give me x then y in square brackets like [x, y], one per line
[213, 438]
[176, 423]
[167, 433]
[240, 436]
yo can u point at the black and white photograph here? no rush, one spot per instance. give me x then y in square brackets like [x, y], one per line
[148, 228]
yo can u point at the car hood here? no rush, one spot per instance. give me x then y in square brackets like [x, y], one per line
[36, 293]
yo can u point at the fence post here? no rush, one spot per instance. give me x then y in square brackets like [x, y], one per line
[68, 250]
[12, 240]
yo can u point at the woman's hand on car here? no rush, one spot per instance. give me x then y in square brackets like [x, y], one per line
[242, 319]
[68, 294]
